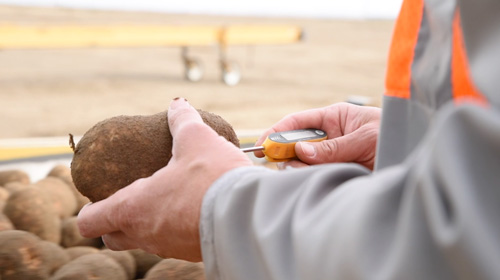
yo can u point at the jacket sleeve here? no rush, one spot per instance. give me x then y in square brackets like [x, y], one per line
[434, 216]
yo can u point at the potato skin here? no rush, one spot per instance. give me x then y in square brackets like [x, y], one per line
[71, 236]
[144, 261]
[117, 151]
[62, 197]
[13, 187]
[8, 176]
[21, 256]
[91, 266]
[5, 223]
[176, 269]
[78, 251]
[63, 172]
[125, 259]
[55, 255]
[32, 210]
[4, 195]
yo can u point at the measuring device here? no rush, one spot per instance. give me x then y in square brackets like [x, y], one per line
[280, 146]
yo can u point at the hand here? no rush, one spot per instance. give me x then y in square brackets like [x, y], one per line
[160, 214]
[352, 135]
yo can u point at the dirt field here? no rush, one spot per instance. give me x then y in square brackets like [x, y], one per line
[56, 92]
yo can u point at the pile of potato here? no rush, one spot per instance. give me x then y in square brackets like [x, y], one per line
[39, 238]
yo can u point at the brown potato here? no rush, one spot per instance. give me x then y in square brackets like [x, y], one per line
[60, 171]
[89, 267]
[144, 261]
[12, 187]
[176, 269]
[31, 210]
[125, 259]
[78, 251]
[21, 256]
[61, 196]
[4, 195]
[120, 150]
[8, 176]
[54, 255]
[71, 236]
[63, 172]
[5, 223]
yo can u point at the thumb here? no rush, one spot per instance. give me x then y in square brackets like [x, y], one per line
[181, 113]
[340, 149]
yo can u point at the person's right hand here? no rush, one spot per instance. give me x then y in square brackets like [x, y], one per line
[352, 134]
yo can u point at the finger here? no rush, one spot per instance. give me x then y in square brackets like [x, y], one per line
[347, 148]
[306, 119]
[118, 241]
[181, 112]
[313, 118]
[93, 220]
[97, 219]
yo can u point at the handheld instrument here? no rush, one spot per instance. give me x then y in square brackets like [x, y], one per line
[280, 146]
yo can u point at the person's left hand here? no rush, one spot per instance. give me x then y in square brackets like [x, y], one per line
[352, 135]
[160, 214]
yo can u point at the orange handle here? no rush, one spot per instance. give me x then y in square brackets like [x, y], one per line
[276, 152]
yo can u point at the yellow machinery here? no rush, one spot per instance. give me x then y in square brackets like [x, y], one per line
[81, 36]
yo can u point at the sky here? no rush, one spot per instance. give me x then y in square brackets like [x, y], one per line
[358, 9]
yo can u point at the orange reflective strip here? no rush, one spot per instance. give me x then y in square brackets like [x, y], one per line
[402, 49]
[461, 82]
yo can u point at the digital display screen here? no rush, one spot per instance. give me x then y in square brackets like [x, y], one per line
[292, 136]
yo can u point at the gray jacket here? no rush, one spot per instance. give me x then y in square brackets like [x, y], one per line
[431, 209]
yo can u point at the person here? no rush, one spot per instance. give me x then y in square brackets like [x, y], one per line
[428, 210]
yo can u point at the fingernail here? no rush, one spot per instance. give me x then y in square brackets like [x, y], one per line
[178, 102]
[308, 149]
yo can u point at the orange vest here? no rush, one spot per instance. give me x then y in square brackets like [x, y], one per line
[428, 68]
[401, 57]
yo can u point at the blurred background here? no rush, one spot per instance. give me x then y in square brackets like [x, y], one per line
[66, 65]
[55, 91]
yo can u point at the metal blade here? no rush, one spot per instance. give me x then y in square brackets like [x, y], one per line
[252, 149]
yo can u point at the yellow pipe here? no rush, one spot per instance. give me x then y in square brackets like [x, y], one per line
[73, 36]
[30, 152]
[31, 149]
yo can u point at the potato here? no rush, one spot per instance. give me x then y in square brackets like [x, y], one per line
[62, 198]
[176, 269]
[144, 261]
[21, 256]
[71, 235]
[60, 171]
[55, 255]
[120, 150]
[31, 210]
[63, 172]
[78, 251]
[4, 195]
[5, 223]
[13, 187]
[125, 259]
[91, 266]
[8, 176]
